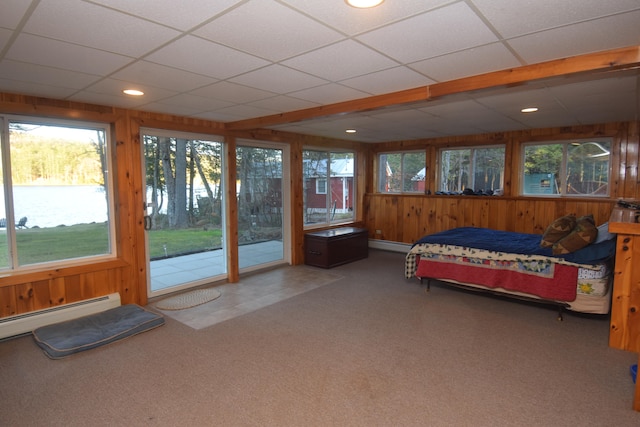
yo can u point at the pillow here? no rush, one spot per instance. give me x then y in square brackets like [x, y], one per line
[604, 234]
[584, 233]
[602, 249]
[558, 229]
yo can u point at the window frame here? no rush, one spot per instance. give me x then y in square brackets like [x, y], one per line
[472, 168]
[566, 143]
[13, 266]
[382, 168]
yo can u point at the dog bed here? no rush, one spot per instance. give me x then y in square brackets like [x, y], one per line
[65, 338]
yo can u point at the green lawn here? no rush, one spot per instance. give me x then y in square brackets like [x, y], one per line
[37, 245]
[178, 242]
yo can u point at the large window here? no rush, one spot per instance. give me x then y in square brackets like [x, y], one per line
[329, 187]
[55, 201]
[475, 168]
[402, 172]
[568, 168]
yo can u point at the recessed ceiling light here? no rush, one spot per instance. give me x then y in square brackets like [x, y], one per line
[350, 131]
[133, 92]
[529, 110]
[363, 4]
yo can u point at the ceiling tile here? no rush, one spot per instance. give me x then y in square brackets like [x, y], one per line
[148, 73]
[283, 104]
[186, 15]
[179, 110]
[244, 111]
[12, 13]
[329, 94]
[217, 116]
[340, 61]
[469, 62]
[21, 71]
[510, 103]
[233, 92]
[5, 36]
[430, 34]
[613, 99]
[84, 24]
[42, 51]
[198, 103]
[294, 34]
[350, 20]
[200, 56]
[533, 121]
[115, 87]
[404, 117]
[387, 81]
[107, 99]
[546, 14]
[278, 79]
[35, 89]
[586, 37]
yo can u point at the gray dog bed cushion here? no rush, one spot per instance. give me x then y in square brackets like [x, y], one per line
[72, 336]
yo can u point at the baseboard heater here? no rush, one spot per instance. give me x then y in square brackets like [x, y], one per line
[25, 323]
[387, 245]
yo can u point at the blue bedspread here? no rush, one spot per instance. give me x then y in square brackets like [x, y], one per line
[521, 243]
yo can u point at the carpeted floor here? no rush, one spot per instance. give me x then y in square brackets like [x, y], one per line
[369, 349]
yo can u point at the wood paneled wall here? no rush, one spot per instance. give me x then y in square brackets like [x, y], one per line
[406, 218]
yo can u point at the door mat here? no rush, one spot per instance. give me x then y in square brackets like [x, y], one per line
[188, 299]
[72, 336]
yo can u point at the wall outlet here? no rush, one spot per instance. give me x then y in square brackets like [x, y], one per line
[378, 231]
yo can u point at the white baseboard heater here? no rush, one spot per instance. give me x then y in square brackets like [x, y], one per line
[387, 245]
[27, 322]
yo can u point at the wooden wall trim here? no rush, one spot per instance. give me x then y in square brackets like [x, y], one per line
[231, 211]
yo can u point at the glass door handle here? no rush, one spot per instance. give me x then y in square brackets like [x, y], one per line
[147, 222]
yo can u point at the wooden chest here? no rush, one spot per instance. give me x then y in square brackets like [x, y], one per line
[330, 248]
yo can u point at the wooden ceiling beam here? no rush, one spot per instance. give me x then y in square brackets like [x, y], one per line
[612, 60]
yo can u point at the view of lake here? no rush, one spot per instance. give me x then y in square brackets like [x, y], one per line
[50, 206]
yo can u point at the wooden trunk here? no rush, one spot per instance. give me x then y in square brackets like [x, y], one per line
[330, 248]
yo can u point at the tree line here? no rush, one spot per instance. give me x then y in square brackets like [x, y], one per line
[36, 160]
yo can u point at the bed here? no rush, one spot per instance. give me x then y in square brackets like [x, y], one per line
[516, 265]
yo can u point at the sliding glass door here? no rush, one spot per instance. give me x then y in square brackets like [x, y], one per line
[184, 210]
[262, 175]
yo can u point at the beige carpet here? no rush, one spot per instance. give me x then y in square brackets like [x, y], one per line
[254, 292]
[188, 299]
[372, 349]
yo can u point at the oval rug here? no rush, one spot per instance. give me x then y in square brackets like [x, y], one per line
[188, 299]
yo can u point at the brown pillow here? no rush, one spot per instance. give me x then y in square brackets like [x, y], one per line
[582, 235]
[557, 230]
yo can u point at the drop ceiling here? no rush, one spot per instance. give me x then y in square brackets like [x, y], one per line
[233, 61]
